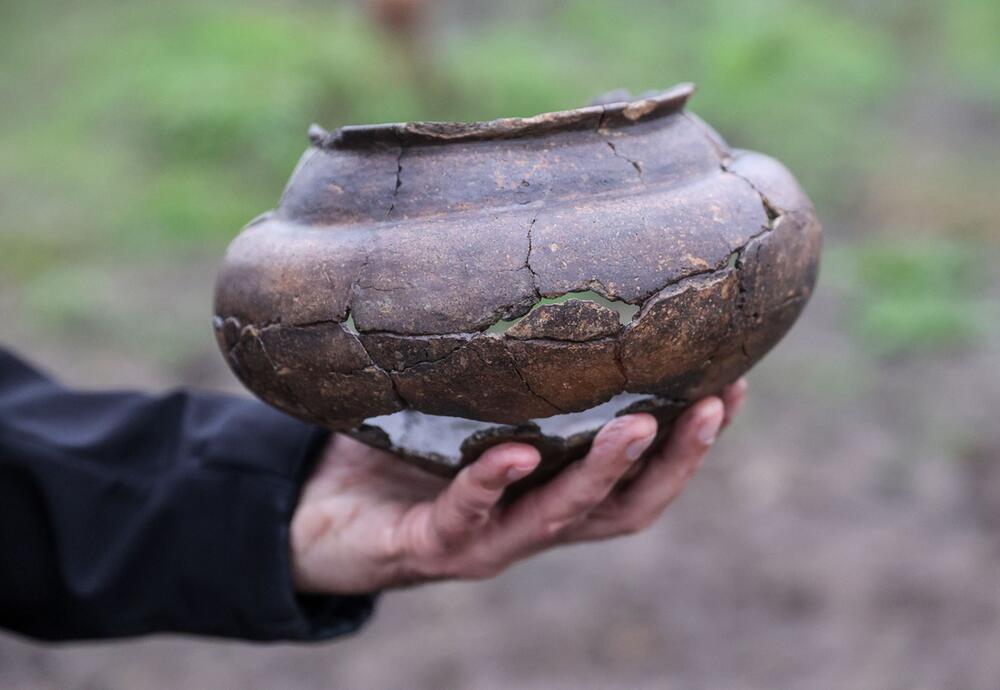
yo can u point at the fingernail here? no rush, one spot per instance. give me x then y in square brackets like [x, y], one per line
[708, 428]
[635, 449]
[515, 473]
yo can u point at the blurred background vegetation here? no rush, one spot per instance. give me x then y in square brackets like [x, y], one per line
[140, 133]
[844, 533]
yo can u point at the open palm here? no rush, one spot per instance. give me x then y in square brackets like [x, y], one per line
[367, 520]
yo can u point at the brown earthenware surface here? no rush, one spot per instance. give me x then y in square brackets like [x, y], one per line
[462, 284]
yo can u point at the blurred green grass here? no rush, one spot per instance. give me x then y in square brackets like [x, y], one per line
[914, 297]
[137, 132]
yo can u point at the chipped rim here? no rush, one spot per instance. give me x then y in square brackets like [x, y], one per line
[621, 113]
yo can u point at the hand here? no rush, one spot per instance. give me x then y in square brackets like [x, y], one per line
[367, 521]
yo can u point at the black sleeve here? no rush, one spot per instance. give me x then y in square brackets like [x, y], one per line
[123, 514]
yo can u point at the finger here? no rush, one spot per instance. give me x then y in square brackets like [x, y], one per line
[468, 501]
[538, 519]
[664, 477]
[733, 397]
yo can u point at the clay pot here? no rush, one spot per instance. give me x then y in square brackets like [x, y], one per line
[437, 288]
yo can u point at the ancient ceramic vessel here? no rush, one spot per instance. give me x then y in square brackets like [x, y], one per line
[438, 288]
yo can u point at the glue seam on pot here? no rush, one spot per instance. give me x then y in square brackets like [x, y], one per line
[523, 305]
[668, 292]
[399, 181]
[635, 164]
[594, 294]
[253, 333]
[527, 257]
[726, 160]
[527, 384]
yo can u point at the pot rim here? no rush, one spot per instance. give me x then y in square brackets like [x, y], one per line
[617, 114]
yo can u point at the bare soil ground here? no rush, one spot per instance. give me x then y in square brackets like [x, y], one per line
[845, 533]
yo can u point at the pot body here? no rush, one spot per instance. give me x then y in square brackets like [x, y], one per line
[516, 270]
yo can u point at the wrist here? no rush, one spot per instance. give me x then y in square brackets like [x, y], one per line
[307, 527]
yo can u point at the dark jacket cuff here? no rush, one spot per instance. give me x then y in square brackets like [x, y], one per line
[126, 514]
[278, 612]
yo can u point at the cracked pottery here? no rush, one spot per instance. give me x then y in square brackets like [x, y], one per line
[437, 288]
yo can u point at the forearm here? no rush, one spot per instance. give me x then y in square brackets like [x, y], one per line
[124, 514]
